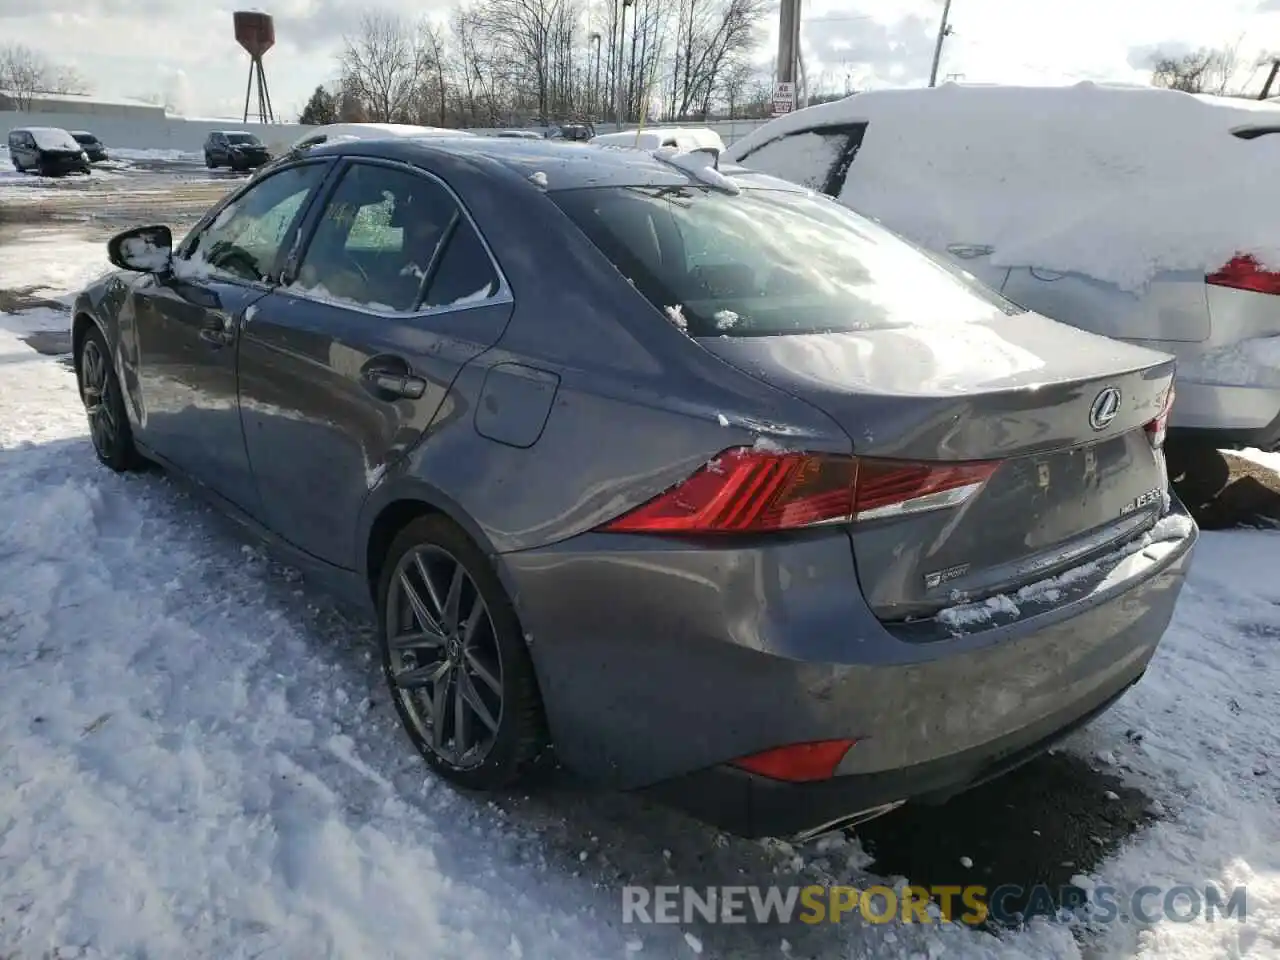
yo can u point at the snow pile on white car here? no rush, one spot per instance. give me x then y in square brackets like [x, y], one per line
[1117, 183]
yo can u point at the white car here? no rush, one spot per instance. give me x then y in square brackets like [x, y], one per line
[684, 139]
[1145, 215]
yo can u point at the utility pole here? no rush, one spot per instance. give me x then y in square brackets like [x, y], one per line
[595, 84]
[784, 93]
[944, 31]
[1271, 78]
[622, 62]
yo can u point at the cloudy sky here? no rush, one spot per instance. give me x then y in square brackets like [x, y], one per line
[185, 50]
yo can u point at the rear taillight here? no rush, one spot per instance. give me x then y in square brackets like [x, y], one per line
[1158, 427]
[751, 491]
[1245, 273]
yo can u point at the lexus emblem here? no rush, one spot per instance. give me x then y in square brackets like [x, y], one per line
[1106, 406]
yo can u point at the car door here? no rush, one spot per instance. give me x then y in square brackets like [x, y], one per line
[343, 368]
[30, 154]
[181, 333]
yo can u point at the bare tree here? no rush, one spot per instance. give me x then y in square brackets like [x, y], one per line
[1207, 70]
[21, 72]
[515, 61]
[25, 73]
[383, 65]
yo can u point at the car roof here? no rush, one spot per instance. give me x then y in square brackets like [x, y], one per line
[553, 164]
[39, 130]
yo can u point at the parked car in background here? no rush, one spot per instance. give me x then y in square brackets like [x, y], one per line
[91, 145]
[49, 151]
[839, 526]
[1085, 204]
[522, 134]
[575, 130]
[235, 149]
[684, 139]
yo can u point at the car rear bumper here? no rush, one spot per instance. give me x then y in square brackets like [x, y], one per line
[660, 662]
[1227, 416]
[755, 806]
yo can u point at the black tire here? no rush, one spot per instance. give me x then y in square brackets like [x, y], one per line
[520, 737]
[1198, 471]
[208, 161]
[109, 429]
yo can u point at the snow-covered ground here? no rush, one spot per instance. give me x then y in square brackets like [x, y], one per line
[196, 758]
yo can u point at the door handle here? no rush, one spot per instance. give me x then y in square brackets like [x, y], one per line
[219, 331]
[396, 383]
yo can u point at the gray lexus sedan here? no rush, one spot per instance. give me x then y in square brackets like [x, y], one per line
[703, 482]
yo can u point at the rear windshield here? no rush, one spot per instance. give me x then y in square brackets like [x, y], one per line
[242, 138]
[765, 263]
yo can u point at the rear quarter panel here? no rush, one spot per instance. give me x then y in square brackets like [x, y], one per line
[634, 405]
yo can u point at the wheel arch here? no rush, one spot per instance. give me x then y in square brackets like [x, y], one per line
[395, 504]
[81, 324]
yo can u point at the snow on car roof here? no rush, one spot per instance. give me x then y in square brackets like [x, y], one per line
[52, 138]
[372, 131]
[1118, 183]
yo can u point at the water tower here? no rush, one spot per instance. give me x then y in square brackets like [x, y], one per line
[256, 32]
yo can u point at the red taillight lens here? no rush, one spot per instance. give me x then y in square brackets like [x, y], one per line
[1245, 273]
[1158, 427]
[751, 491]
[798, 763]
[747, 490]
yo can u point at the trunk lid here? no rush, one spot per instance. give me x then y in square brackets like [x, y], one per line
[1078, 471]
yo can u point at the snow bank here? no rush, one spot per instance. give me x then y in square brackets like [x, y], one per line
[127, 153]
[1117, 183]
[46, 262]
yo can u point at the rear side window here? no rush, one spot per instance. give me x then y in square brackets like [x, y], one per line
[465, 274]
[767, 263]
[818, 159]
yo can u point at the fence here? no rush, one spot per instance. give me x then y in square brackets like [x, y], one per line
[142, 132]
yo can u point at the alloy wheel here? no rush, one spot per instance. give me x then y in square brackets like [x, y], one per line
[445, 663]
[95, 390]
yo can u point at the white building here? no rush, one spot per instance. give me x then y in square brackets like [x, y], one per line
[54, 103]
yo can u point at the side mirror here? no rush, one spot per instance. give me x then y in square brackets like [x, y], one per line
[142, 249]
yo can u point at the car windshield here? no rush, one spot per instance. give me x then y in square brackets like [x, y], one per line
[49, 138]
[242, 138]
[85, 138]
[766, 262]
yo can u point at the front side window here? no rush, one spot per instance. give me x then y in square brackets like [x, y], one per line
[767, 262]
[247, 236]
[377, 239]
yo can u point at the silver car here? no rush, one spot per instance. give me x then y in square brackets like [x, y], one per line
[1223, 327]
